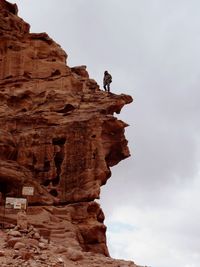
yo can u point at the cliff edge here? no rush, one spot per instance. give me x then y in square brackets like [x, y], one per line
[58, 139]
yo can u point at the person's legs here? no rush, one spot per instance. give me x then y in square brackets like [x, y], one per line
[108, 86]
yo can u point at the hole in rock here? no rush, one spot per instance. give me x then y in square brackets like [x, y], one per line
[56, 180]
[46, 182]
[46, 165]
[13, 155]
[59, 141]
[4, 188]
[34, 160]
[67, 108]
[54, 192]
[8, 77]
[12, 101]
[58, 159]
[27, 74]
[55, 73]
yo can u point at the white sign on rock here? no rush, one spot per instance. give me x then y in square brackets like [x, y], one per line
[16, 203]
[28, 191]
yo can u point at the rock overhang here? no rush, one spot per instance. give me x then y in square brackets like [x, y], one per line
[58, 129]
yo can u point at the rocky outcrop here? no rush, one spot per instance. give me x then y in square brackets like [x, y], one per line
[58, 134]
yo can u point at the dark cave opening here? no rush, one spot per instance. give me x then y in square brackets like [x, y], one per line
[46, 182]
[67, 108]
[56, 73]
[4, 188]
[9, 189]
[56, 180]
[58, 159]
[54, 192]
[59, 141]
[47, 165]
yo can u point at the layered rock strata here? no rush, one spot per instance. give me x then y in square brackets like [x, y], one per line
[58, 135]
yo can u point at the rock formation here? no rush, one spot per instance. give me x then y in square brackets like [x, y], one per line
[58, 135]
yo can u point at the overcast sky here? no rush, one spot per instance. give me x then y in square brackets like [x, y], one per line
[151, 48]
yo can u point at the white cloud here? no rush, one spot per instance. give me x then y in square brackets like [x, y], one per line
[158, 235]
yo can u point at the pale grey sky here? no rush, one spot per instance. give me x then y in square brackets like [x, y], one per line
[151, 48]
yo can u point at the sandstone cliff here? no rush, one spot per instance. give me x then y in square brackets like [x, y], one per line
[58, 134]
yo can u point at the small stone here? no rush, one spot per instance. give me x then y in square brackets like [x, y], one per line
[2, 253]
[58, 264]
[43, 240]
[60, 260]
[23, 231]
[16, 228]
[15, 233]
[30, 228]
[22, 221]
[36, 235]
[74, 254]
[25, 254]
[32, 263]
[12, 241]
[60, 250]
[19, 245]
[43, 257]
[31, 242]
[30, 233]
[42, 245]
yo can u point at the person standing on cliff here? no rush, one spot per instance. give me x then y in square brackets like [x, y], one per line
[107, 79]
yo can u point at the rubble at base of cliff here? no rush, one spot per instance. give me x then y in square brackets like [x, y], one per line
[27, 248]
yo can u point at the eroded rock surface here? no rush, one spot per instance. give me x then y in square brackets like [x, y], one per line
[58, 134]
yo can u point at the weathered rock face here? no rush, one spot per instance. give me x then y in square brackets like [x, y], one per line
[57, 132]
